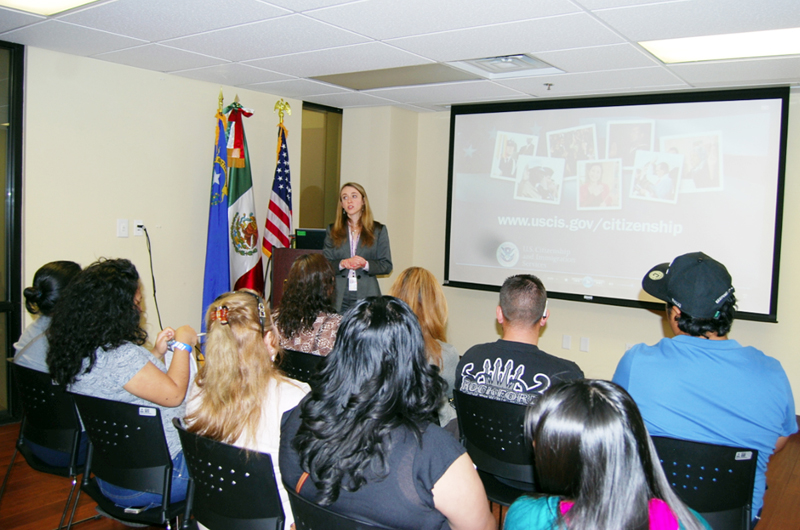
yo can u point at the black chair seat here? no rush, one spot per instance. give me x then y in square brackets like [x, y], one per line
[715, 480]
[311, 516]
[127, 448]
[50, 420]
[232, 488]
[493, 433]
[300, 365]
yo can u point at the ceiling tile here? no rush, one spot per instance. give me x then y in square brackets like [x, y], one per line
[159, 58]
[10, 19]
[300, 6]
[447, 93]
[296, 88]
[612, 57]
[530, 36]
[67, 38]
[690, 18]
[280, 36]
[232, 74]
[174, 18]
[345, 59]
[622, 81]
[771, 71]
[348, 99]
[387, 19]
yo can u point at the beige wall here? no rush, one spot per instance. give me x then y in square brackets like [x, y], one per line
[415, 211]
[105, 141]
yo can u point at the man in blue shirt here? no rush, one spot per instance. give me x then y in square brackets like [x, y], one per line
[700, 385]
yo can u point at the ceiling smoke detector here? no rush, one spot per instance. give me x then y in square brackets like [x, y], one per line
[521, 65]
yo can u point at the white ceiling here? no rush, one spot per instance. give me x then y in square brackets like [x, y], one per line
[275, 46]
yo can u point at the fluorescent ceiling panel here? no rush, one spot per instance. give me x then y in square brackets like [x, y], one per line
[45, 7]
[730, 46]
[392, 77]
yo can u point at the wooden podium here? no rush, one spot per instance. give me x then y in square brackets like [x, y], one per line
[282, 259]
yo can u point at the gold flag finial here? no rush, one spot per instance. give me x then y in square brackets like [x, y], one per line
[220, 100]
[281, 107]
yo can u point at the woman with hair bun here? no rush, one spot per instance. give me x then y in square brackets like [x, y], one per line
[239, 394]
[40, 299]
[596, 467]
[357, 247]
[362, 442]
[306, 318]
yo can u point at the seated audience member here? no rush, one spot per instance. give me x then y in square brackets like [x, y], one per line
[306, 319]
[31, 349]
[419, 289]
[596, 467]
[40, 299]
[700, 385]
[239, 395]
[362, 443]
[97, 327]
[514, 369]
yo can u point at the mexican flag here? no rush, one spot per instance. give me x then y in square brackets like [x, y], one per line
[245, 254]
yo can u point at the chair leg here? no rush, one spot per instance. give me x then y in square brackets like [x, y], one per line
[8, 472]
[74, 507]
[69, 501]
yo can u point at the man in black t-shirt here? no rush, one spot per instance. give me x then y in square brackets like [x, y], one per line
[514, 369]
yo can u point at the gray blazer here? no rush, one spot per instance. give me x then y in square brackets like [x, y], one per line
[379, 257]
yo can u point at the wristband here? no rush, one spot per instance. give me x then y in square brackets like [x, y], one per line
[172, 344]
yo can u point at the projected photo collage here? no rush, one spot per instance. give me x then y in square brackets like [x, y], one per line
[655, 169]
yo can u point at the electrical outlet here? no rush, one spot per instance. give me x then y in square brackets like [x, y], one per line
[138, 227]
[122, 228]
[566, 342]
[585, 344]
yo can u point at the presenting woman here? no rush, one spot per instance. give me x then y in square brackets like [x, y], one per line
[97, 329]
[239, 395]
[362, 442]
[596, 466]
[357, 247]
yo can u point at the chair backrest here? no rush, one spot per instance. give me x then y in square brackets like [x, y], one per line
[233, 488]
[311, 516]
[128, 447]
[494, 435]
[300, 365]
[50, 418]
[715, 480]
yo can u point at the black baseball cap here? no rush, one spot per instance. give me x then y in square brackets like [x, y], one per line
[695, 283]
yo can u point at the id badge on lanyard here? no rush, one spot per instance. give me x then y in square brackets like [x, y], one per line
[352, 281]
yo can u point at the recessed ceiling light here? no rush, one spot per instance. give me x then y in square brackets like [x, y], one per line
[730, 46]
[45, 7]
[520, 65]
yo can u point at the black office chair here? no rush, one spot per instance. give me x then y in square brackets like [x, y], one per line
[300, 365]
[232, 488]
[311, 516]
[127, 448]
[494, 434]
[715, 480]
[49, 419]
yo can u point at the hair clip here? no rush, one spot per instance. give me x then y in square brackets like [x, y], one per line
[716, 315]
[220, 314]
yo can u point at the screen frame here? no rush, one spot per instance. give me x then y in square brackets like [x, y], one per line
[772, 93]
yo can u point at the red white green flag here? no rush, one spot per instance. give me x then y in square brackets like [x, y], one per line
[245, 255]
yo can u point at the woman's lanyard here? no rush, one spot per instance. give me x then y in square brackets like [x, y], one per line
[352, 281]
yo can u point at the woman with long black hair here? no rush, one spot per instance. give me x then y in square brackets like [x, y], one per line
[596, 467]
[362, 442]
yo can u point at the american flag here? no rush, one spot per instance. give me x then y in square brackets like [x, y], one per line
[279, 215]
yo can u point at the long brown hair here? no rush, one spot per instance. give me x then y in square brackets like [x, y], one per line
[235, 379]
[309, 290]
[368, 224]
[419, 289]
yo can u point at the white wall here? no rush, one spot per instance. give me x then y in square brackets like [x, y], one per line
[104, 141]
[608, 328]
